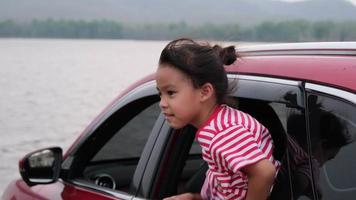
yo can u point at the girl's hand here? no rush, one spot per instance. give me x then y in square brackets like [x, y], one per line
[185, 196]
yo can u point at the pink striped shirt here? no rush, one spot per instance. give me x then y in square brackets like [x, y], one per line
[230, 140]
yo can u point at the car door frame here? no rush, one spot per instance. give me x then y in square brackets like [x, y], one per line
[151, 175]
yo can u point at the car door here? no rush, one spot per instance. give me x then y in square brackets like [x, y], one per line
[109, 159]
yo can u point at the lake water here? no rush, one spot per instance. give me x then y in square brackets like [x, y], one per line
[51, 89]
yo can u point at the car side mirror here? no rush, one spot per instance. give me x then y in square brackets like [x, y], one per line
[42, 166]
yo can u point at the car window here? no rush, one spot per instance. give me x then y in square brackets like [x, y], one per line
[116, 146]
[296, 172]
[278, 105]
[129, 141]
[271, 104]
[333, 146]
[274, 116]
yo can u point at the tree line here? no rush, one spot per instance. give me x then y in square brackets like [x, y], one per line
[284, 31]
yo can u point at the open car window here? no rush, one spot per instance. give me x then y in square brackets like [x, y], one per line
[269, 102]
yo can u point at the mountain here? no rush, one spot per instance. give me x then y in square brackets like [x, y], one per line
[244, 12]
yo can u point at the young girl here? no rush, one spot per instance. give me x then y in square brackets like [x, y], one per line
[193, 86]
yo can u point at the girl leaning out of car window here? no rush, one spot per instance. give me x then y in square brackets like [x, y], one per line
[193, 87]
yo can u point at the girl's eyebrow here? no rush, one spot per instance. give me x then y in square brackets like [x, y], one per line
[166, 87]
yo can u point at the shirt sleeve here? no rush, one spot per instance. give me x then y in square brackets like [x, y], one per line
[236, 148]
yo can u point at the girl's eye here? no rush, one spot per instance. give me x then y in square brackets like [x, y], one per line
[171, 93]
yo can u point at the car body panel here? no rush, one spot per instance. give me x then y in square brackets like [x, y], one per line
[57, 191]
[317, 69]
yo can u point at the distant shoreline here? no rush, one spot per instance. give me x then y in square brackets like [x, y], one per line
[288, 31]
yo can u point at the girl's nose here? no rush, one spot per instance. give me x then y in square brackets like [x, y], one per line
[163, 103]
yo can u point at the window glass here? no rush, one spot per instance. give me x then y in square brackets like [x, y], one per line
[281, 110]
[332, 134]
[130, 140]
[298, 157]
[122, 138]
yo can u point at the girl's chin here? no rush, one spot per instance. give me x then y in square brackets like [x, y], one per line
[176, 125]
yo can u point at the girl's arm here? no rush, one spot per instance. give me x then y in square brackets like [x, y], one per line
[185, 196]
[261, 176]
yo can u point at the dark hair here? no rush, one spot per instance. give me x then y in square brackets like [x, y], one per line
[201, 62]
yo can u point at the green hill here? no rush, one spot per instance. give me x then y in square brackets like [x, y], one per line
[243, 12]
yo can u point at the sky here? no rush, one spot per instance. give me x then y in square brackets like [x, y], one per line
[292, 0]
[352, 1]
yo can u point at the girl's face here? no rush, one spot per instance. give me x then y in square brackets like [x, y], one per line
[180, 101]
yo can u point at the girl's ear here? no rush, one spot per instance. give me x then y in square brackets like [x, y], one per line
[207, 91]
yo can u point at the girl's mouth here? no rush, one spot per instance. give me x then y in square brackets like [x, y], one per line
[168, 116]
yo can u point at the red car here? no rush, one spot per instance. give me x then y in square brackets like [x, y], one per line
[304, 93]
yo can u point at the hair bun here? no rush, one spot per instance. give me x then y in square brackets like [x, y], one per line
[227, 54]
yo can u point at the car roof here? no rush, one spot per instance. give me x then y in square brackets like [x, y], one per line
[328, 63]
[321, 48]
